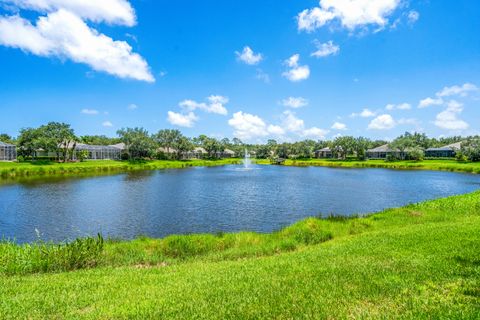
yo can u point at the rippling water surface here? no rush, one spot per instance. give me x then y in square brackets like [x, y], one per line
[159, 203]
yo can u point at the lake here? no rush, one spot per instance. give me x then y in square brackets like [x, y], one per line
[209, 199]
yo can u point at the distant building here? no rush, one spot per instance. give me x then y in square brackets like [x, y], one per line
[8, 152]
[227, 153]
[379, 152]
[448, 151]
[98, 152]
[325, 153]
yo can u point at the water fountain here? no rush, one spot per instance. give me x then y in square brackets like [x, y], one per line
[246, 160]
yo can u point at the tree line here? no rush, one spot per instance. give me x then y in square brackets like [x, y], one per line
[60, 139]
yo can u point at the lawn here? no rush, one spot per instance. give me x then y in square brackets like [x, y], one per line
[444, 165]
[421, 261]
[10, 170]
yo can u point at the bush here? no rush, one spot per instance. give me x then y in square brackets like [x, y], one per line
[417, 154]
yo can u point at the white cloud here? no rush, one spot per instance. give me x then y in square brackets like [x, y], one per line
[182, 120]
[366, 113]
[247, 126]
[107, 124]
[339, 126]
[382, 122]
[89, 111]
[65, 35]
[111, 11]
[413, 16]
[325, 49]
[402, 106]
[315, 132]
[291, 122]
[248, 56]
[448, 119]
[295, 102]
[427, 102]
[295, 71]
[216, 105]
[461, 91]
[132, 107]
[276, 130]
[350, 13]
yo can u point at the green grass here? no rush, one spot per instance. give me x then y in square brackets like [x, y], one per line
[442, 165]
[421, 261]
[12, 170]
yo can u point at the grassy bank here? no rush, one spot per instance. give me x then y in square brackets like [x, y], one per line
[10, 170]
[443, 165]
[421, 261]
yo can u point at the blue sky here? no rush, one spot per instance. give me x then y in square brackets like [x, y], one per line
[254, 69]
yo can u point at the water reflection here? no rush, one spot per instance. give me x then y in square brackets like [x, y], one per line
[211, 199]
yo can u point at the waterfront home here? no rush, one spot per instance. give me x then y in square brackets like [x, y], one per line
[8, 152]
[93, 152]
[379, 152]
[448, 151]
[325, 153]
[227, 153]
[98, 152]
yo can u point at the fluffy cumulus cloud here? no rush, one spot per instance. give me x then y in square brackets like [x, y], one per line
[315, 133]
[107, 124]
[366, 113]
[339, 126]
[186, 120]
[448, 119]
[110, 11]
[89, 111]
[295, 102]
[247, 126]
[413, 16]
[132, 107]
[325, 49]
[427, 102]
[457, 90]
[448, 92]
[402, 106]
[351, 14]
[295, 71]
[248, 56]
[63, 33]
[187, 117]
[216, 104]
[382, 122]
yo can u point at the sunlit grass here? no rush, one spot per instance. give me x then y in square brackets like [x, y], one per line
[9, 170]
[416, 262]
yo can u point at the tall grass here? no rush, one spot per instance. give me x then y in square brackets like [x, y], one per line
[42, 257]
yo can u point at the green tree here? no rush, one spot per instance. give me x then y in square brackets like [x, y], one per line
[138, 142]
[361, 146]
[6, 138]
[28, 142]
[167, 139]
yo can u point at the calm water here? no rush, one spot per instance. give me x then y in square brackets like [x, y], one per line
[159, 203]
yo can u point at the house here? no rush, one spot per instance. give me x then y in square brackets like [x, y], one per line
[324, 153]
[8, 152]
[448, 151]
[98, 152]
[379, 152]
[227, 153]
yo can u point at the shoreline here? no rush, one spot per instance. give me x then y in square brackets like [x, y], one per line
[432, 165]
[14, 171]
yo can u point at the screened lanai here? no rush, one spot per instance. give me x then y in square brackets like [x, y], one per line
[99, 152]
[8, 152]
